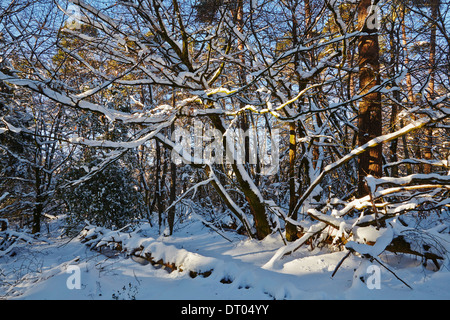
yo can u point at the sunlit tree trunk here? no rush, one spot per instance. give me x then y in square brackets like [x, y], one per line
[370, 119]
[291, 229]
[428, 155]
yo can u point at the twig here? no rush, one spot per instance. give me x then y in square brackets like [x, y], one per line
[208, 224]
[375, 210]
[340, 263]
[371, 258]
[391, 272]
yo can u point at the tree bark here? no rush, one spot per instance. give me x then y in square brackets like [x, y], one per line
[39, 205]
[173, 183]
[394, 62]
[291, 230]
[428, 155]
[370, 119]
[409, 87]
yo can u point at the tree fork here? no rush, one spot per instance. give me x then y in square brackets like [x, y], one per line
[257, 206]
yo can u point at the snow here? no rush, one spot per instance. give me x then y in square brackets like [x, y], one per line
[239, 269]
[367, 234]
[382, 241]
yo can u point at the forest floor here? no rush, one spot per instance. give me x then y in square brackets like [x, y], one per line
[42, 271]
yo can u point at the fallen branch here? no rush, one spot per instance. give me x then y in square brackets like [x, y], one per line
[392, 272]
[290, 248]
[429, 179]
[372, 258]
[340, 263]
[10, 239]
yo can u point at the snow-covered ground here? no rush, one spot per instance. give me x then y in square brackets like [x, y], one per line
[50, 270]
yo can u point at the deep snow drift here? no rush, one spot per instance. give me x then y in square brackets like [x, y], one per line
[239, 270]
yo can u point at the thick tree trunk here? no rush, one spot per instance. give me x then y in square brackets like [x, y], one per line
[370, 120]
[173, 183]
[291, 230]
[243, 117]
[428, 155]
[409, 87]
[394, 44]
[159, 184]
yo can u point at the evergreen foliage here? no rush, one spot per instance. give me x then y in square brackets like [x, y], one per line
[108, 199]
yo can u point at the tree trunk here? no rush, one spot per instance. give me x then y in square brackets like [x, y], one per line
[291, 230]
[409, 87]
[256, 205]
[248, 187]
[173, 183]
[244, 118]
[394, 55]
[39, 204]
[370, 120]
[428, 155]
[159, 184]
